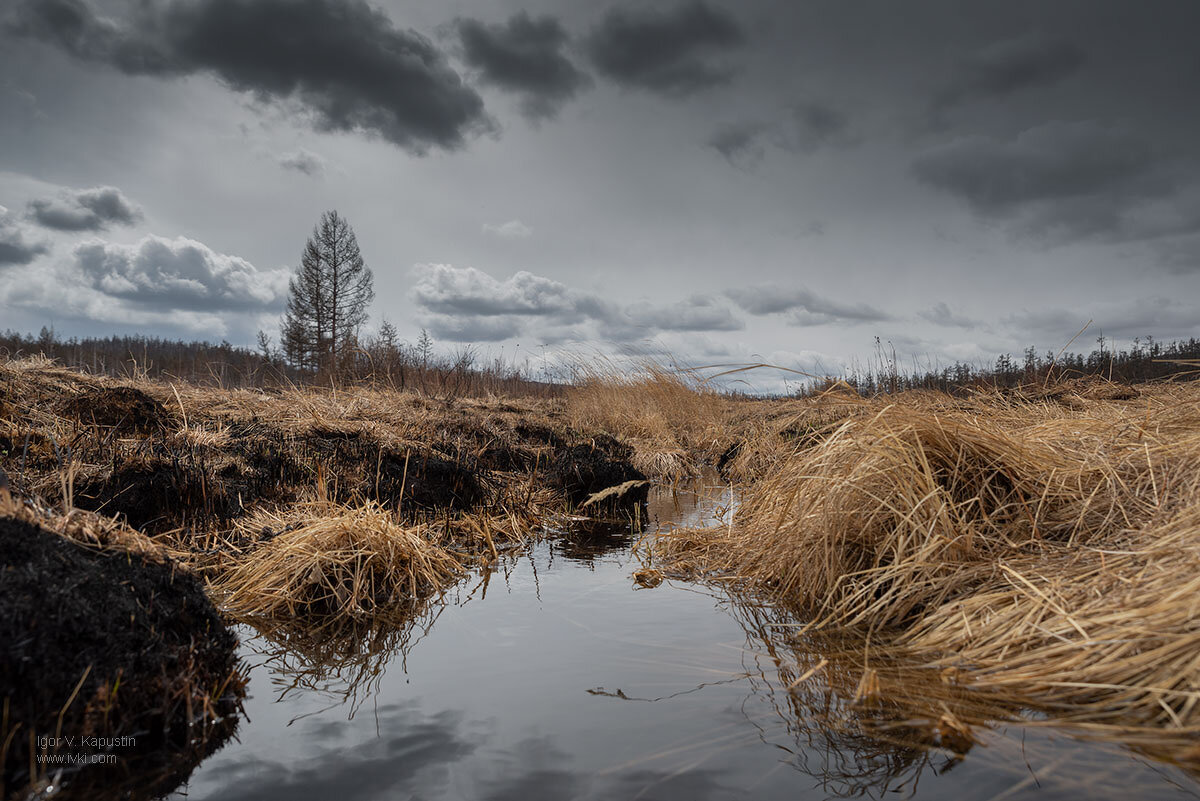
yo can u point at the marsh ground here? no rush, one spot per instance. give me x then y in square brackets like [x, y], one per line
[923, 570]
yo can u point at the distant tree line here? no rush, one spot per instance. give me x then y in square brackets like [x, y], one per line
[381, 360]
[1144, 360]
[384, 360]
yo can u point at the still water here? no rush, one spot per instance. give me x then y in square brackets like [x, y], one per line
[552, 676]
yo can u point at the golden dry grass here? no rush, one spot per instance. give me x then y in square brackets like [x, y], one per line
[670, 416]
[1049, 549]
[322, 559]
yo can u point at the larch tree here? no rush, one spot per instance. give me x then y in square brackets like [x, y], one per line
[327, 297]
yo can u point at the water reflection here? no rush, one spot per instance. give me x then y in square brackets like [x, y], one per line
[547, 676]
[413, 750]
[864, 721]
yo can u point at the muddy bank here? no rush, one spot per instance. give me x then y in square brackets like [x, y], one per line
[168, 457]
[120, 652]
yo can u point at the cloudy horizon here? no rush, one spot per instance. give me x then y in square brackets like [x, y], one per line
[723, 182]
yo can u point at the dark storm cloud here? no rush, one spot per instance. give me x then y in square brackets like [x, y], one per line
[342, 62]
[178, 274]
[468, 305]
[1068, 180]
[525, 56]
[85, 210]
[802, 306]
[1010, 66]
[673, 53]
[16, 245]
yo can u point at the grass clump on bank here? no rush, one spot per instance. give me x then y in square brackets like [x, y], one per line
[321, 560]
[670, 417]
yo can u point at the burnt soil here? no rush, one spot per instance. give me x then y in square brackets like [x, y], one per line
[128, 455]
[67, 607]
[125, 410]
[583, 470]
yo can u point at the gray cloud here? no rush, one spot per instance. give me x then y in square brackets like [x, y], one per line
[1068, 180]
[739, 143]
[941, 314]
[803, 307]
[513, 229]
[669, 52]
[178, 274]
[813, 125]
[85, 210]
[16, 246]
[1180, 254]
[697, 313]
[444, 289]
[1010, 66]
[806, 128]
[524, 55]
[466, 304]
[303, 161]
[473, 329]
[1163, 316]
[341, 62]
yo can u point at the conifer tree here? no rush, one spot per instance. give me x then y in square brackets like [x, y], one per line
[327, 297]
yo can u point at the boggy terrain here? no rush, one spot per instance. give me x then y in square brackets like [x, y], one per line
[1020, 554]
[934, 562]
[304, 512]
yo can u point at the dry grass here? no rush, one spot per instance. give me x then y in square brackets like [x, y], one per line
[670, 416]
[374, 498]
[327, 560]
[1051, 550]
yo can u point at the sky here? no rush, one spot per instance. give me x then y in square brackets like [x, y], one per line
[722, 182]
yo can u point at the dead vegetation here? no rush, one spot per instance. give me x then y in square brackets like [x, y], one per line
[1036, 548]
[321, 559]
[306, 503]
[1045, 546]
[672, 420]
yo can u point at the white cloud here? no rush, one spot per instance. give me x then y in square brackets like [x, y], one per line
[466, 304]
[178, 284]
[178, 273]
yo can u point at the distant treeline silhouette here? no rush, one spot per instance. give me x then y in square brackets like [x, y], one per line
[380, 360]
[385, 361]
[1144, 360]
